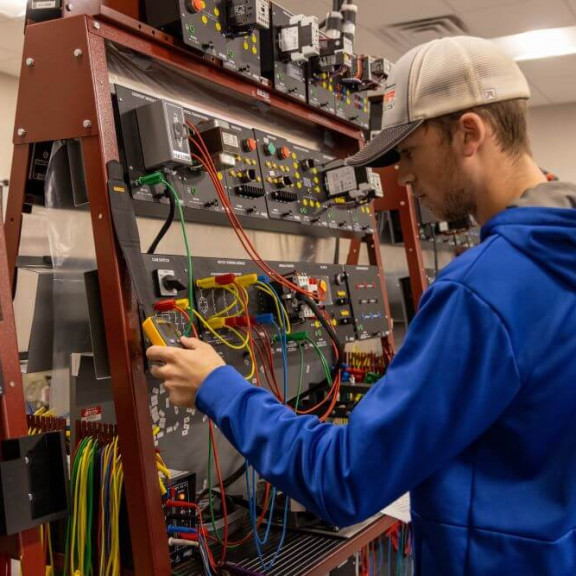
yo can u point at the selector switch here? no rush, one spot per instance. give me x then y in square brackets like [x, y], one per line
[248, 176]
[284, 181]
[167, 283]
[308, 164]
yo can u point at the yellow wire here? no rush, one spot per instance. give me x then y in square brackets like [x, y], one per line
[237, 303]
[244, 342]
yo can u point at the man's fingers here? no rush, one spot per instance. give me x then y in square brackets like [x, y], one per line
[190, 343]
[158, 372]
[160, 353]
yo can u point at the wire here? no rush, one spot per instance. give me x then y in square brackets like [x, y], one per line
[163, 231]
[204, 159]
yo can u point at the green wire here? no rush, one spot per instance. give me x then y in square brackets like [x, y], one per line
[90, 495]
[301, 376]
[322, 359]
[189, 257]
[73, 479]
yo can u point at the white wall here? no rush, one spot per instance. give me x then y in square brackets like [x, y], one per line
[553, 134]
[8, 96]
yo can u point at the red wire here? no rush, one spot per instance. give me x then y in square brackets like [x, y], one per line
[222, 493]
[205, 160]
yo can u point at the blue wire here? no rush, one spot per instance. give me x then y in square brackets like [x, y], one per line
[284, 345]
[180, 530]
[258, 542]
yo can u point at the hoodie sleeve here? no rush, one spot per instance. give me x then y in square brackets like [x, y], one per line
[453, 377]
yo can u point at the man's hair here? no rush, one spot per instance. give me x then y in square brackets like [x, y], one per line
[509, 121]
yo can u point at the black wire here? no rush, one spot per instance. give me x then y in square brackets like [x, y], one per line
[328, 327]
[227, 482]
[435, 244]
[165, 227]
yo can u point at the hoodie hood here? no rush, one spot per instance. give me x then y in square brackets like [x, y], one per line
[542, 225]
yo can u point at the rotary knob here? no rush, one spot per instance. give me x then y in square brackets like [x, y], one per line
[284, 153]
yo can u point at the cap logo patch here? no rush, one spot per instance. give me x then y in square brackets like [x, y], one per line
[389, 99]
[490, 94]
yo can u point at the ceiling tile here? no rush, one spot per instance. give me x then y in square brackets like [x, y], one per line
[537, 98]
[465, 5]
[372, 15]
[549, 68]
[516, 18]
[560, 91]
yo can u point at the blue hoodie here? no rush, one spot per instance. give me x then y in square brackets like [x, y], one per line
[476, 416]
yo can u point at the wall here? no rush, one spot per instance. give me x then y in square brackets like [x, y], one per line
[553, 133]
[8, 96]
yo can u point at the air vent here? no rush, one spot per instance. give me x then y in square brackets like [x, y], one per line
[407, 35]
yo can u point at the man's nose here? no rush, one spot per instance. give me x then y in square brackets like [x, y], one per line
[404, 177]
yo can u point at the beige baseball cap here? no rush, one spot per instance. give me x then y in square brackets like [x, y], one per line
[437, 78]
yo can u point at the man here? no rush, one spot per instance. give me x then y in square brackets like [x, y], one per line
[477, 413]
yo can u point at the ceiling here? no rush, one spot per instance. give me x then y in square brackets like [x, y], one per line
[553, 80]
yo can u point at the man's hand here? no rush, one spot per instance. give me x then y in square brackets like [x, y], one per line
[184, 371]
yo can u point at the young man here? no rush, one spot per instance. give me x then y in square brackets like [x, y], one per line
[477, 413]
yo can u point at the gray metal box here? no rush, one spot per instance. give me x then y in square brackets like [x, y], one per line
[163, 134]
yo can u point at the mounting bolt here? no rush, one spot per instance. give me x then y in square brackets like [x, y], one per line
[96, 25]
[21, 132]
[87, 124]
[69, 7]
[30, 497]
[78, 53]
[30, 62]
[27, 460]
[12, 384]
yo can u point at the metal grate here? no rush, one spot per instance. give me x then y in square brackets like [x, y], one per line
[300, 551]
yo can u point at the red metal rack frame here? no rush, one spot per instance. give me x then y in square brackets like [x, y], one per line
[13, 424]
[64, 93]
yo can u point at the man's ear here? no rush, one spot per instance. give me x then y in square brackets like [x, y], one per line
[471, 133]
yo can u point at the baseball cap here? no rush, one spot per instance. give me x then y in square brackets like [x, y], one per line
[437, 78]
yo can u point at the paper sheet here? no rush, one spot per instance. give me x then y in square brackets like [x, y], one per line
[400, 509]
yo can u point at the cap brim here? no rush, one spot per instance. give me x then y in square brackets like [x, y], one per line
[380, 152]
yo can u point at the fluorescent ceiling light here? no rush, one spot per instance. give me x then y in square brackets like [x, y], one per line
[539, 43]
[13, 8]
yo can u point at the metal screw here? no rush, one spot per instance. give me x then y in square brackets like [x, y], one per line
[87, 124]
[69, 7]
[30, 497]
[100, 216]
[96, 25]
[30, 62]
[27, 460]
[78, 53]
[21, 132]
[402, 203]
[12, 384]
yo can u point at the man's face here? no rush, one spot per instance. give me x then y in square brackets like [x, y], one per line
[429, 164]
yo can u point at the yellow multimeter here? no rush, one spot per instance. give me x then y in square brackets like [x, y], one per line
[161, 332]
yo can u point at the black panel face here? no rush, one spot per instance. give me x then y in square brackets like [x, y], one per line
[244, 181]
[280, 177]
[193, 186]
[352, 106]
[321, 94]
[311, 192]
[287, 77]
[367, 304]
[204, 30]
[362, 218]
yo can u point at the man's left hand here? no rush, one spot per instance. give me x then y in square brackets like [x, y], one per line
[184, 370]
